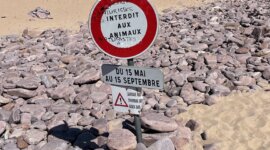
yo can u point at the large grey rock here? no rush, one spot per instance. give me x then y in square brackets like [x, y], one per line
[35, 110]
[55, 145]
[245, 81]
[15, 116]
[58, 120]
[62, 91]
[10, 146]
[116, 138]
[3, 125]
[220, 90]
[140, 146]
[86, 120]
[34, 136]
[101, 126]
[48, 81]
[191, 96]
[200, 86]
[64, 107]
[23, 93]
[210, 59]
[158, 122]
[266, 74]
[179, 79]
[27, 83]
[21, 143]
[88, 76]
[163, 144]
[150, 138]
[4, 100]
[98, 97]
[4, 115]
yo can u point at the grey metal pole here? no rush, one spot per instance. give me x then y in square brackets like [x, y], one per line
[137, 118]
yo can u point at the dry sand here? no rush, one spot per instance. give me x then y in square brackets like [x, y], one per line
[237, 122]
[66, 14]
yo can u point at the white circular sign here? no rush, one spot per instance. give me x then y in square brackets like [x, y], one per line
[123, 24]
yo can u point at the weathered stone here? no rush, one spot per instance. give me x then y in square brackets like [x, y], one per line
[55, 144]
[10, 146]
[210, 59]
[74, 119]
[21, 143]
[47, 116]
[183, 138]
[101, 126]
[190, 96]
[179, 79]
[172, 112]
[3, 125]
[15, 116]
[87, 104]
[62, 91]
[4, 100]
[117, 136]
[4, 115]
[220, 90]
[210, 147]
[163, 144]
[212, 99]
[266, 74]
[64, 107]
[58, 120]
[35, 110]
[27, 83]
[23, 93]
[48, 81]
[200, 86]
[88, 76]
[163, 99]
[199, 47]
[39, 125]
[86, 120]
[242, 58]
[98, 97]
[110, 114]
[140, 146]
[151, 101]
[26, 118]
[115, 124]
[173, 43]
[34, 136]
[158, 122]
[192, 124]
[242, 50]
[171, 103]
[245, 81]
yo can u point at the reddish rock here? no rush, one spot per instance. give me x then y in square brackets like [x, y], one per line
[116, 138]
[158, 122]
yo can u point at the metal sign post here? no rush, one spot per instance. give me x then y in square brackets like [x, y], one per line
[137, 118]
[125, 29]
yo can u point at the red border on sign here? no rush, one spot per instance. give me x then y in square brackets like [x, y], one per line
[130, 52]
[118, 98]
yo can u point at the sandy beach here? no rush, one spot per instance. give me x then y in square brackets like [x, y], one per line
[237, 122]
[240, 121]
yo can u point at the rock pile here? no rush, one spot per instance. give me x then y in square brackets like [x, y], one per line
[51, 95]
